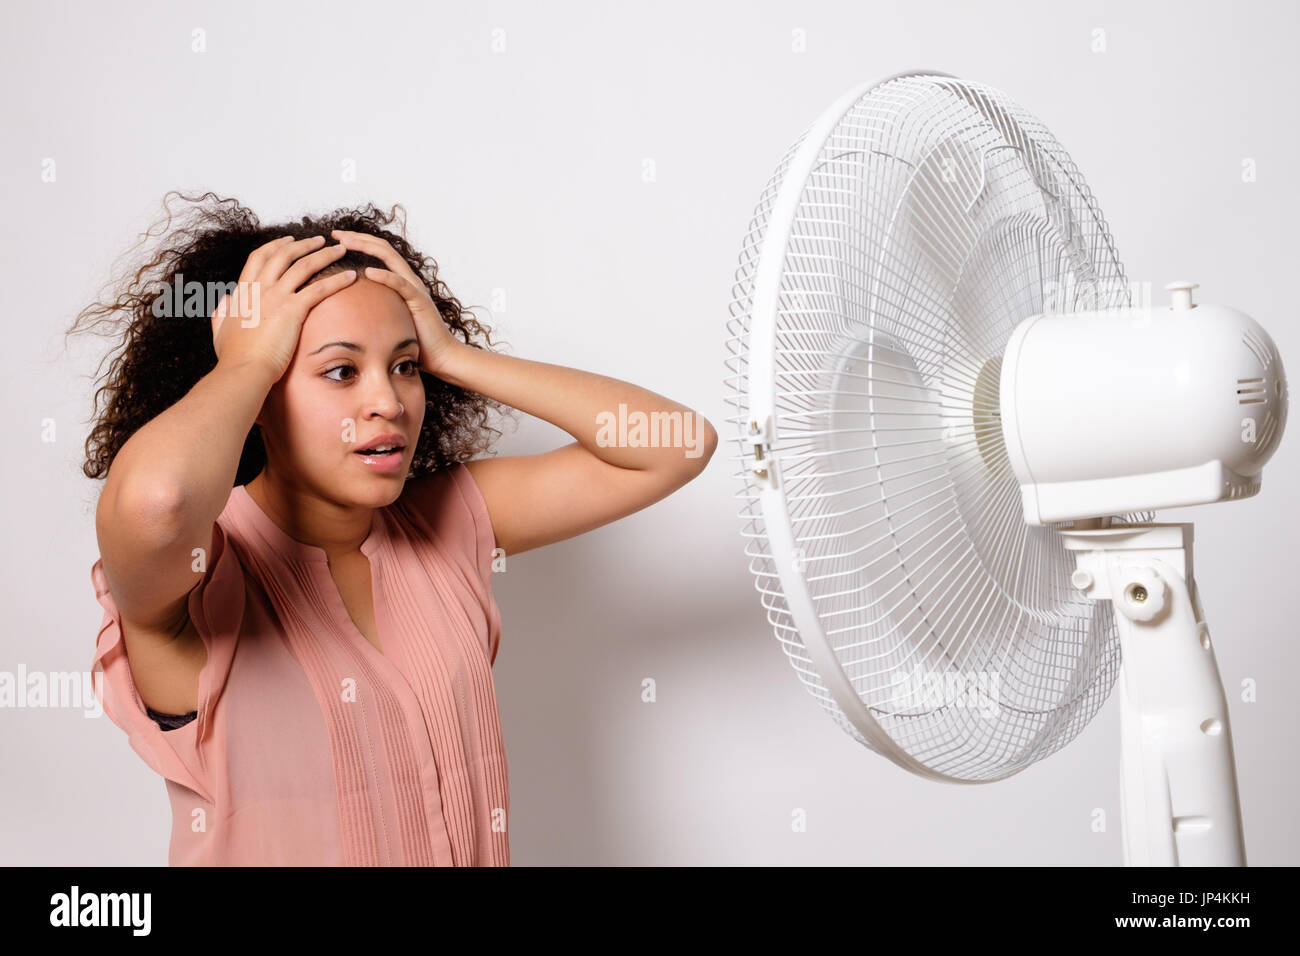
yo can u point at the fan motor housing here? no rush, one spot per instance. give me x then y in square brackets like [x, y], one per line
[1132, 409]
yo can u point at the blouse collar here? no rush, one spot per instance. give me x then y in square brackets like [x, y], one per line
[291, 547]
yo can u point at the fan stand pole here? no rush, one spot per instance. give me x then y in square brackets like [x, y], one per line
[1177, 778]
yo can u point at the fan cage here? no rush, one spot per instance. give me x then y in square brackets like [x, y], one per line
[935, 217]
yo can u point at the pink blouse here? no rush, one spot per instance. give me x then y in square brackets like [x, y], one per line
[311, 747]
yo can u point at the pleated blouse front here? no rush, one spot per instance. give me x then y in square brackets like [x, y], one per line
[312, 746]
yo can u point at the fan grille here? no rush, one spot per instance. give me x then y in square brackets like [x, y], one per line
[938, 214]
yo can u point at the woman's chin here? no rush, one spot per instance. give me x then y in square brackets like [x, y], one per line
[377, 491]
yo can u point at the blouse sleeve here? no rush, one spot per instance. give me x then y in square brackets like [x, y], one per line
[449, 505]
[216, 606]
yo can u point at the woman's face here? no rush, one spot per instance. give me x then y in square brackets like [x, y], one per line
[337, 399]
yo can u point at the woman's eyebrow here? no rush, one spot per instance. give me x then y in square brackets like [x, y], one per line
[357, 348]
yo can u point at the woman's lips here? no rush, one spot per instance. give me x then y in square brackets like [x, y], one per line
[383, 464]
[387, 438]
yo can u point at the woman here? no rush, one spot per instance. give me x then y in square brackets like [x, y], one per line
[297, 543]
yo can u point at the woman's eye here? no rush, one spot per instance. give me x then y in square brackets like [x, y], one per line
[410, 373]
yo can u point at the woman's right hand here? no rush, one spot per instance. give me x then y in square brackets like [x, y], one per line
[262, 320]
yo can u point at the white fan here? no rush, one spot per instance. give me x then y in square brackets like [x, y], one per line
[954, 422]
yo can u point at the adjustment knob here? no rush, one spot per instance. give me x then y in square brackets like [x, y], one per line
[1142, 597]
[1181, 299]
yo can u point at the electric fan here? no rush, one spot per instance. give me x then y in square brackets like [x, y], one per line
[954, 420]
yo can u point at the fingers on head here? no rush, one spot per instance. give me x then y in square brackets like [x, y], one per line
[309, 265]
[323, 288]
[280, 258]
[253, 267]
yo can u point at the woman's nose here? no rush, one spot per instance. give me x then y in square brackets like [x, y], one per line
[384, 402]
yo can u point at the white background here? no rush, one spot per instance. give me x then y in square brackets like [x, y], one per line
[521, 170]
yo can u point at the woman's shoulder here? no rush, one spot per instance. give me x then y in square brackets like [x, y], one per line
[447, 507]
[443, 499]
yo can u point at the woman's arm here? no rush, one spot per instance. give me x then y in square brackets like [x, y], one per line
[166, 487]
[619, 464]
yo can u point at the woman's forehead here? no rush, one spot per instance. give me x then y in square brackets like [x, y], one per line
[365, 313]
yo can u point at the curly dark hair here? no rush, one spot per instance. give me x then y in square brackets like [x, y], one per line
[161, 359]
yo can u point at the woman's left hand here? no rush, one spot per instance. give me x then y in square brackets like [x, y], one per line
[436, 340]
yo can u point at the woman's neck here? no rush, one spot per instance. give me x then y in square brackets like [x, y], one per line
[309, 519]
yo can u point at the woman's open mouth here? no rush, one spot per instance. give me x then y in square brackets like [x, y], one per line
[384, 454]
